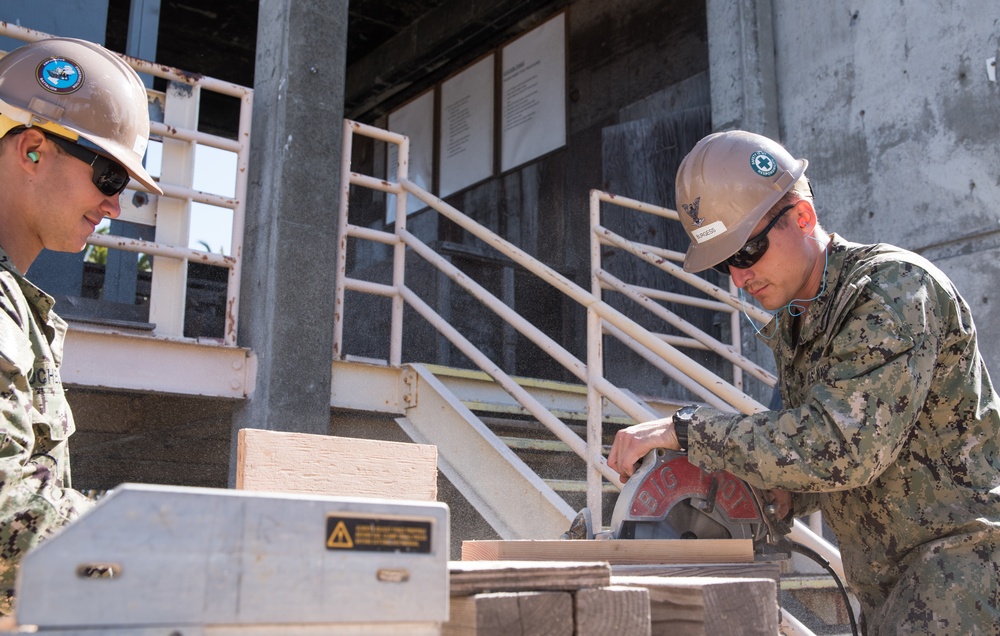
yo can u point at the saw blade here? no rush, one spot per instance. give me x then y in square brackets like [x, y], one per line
[684, 521]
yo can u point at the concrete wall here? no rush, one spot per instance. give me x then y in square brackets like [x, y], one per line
[891, 104]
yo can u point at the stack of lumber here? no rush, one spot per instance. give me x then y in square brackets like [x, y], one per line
[637, 588]
[543, 598]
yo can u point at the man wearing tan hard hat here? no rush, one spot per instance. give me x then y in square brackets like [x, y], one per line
[73, 131]
[889, 422]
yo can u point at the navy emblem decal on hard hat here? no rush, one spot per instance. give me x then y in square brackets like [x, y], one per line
[692, 211]
[59, 75]
[763, 163]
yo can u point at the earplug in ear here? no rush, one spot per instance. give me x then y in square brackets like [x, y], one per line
[33, 156]
[802, 223]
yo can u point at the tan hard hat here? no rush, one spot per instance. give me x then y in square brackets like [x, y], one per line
[724, 187]
[76, 89]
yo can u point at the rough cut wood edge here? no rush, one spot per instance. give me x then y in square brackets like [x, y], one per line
[276, 461]
[476, 577]
[615, 552]
[504, 614]
[709, 605]
[619, 610]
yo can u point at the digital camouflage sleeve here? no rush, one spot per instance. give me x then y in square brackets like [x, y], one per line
[36, 498]
[891, 424]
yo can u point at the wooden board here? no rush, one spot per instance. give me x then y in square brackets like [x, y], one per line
[275, 461]
[475, 577]
[707, 606]
[511, 614]
[619, 610]
[763, 570]
[617, 551]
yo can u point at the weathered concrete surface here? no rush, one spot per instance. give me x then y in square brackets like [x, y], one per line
[289, 257]
[891, 104]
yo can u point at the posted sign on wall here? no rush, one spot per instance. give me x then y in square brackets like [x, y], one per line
[533, 101]
[466, 143]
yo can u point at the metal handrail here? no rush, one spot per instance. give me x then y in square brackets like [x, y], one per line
[602, 318]
[807, 534]
[240, 146]
[682, 366]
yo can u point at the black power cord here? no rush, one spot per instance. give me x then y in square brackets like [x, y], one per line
[823, 563]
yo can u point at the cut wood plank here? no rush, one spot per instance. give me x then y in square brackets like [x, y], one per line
[707, 606]
[619, 610]
[616, 551]
[511, 614]
[475, 577]
[276, 461]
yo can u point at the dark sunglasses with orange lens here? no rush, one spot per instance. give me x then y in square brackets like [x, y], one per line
[753, 249]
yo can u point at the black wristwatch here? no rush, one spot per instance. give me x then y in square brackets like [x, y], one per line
[682, 418]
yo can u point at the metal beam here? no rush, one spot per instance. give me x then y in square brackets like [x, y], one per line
[515, 501]
[100, 358]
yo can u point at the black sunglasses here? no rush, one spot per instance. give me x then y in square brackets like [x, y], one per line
[753, 249]
[110, 177]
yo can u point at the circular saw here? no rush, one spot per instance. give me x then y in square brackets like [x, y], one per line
[668, 497]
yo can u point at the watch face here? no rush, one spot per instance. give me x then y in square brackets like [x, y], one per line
[685, 413]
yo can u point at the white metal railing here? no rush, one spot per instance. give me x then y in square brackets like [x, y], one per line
[660, 258]
[602, 318]
[725, 301]
[400, 239]
[714, 389]
[171, 217]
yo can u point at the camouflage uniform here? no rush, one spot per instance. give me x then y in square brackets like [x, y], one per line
[36, 498]
[892, 432]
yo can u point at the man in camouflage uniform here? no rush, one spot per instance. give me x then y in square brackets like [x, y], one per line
[73, 129]
[890, 423]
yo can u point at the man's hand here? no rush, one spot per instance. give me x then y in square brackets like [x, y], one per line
[632, 444]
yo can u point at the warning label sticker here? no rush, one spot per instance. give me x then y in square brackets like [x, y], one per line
[378, 535]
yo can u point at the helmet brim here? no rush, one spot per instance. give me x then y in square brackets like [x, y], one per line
[128, 158]
[701, 256]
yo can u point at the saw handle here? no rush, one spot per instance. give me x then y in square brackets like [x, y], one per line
[647, 463]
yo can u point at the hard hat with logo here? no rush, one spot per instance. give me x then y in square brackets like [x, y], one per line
[81, 91]
[725, 186]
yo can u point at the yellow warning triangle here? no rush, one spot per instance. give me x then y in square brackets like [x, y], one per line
[340, 538]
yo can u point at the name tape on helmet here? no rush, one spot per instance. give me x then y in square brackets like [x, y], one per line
[139, 147]
[708, 232]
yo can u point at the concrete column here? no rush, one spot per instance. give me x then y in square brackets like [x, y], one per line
[289, 254]
[744, 96]
[741, 66]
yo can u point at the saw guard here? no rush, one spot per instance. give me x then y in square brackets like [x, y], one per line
[669, 497]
